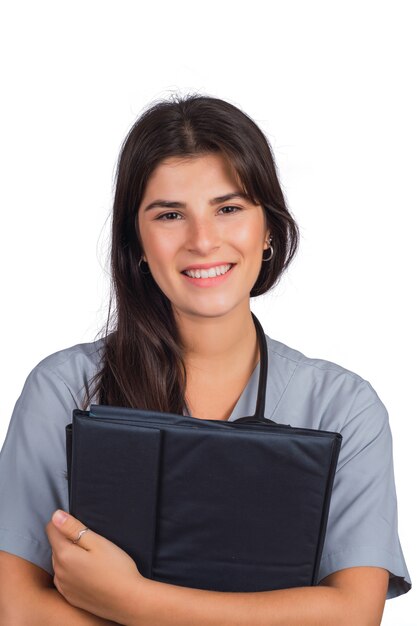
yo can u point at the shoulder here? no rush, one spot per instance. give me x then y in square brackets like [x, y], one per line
[315, 367]
[81, 357]
[317, 393]
[66, 371]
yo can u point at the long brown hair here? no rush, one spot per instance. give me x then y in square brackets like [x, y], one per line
[142, 363]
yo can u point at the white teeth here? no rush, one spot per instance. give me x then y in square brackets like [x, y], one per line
[210, 273]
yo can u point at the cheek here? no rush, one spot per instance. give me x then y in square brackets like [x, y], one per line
[249, 237]
[156, 248]
[161, 252]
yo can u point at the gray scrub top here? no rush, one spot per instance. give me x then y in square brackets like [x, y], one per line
[301, 391]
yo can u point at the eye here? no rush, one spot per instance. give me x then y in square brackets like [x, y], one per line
[164, 215]
[230, 207]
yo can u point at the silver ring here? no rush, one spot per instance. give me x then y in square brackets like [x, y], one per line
[80, 534]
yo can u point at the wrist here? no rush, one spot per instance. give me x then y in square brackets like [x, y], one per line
[139, 597]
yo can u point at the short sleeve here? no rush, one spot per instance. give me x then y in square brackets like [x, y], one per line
[362, 526]
[33, 481]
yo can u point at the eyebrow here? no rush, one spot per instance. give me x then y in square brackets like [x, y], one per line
[168, 204]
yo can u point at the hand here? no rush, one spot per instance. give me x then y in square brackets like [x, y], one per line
[93, 574]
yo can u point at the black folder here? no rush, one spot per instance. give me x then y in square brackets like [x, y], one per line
[208, 504]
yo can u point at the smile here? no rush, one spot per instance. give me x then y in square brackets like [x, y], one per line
[209, 273]
[209, 278]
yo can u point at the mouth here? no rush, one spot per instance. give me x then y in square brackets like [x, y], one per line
[204, 273]
[202, 279]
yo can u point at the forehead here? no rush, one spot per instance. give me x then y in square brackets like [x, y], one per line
[192, 172]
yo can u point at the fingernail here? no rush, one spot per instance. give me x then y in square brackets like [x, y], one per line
[59, 517]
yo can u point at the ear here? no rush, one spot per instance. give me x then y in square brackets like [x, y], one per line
[267, 236]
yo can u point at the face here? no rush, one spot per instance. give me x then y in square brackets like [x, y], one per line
[198, 229]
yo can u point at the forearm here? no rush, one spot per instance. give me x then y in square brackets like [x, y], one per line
[163, 604]
[49, 608]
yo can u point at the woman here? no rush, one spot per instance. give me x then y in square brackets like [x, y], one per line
[196, 188]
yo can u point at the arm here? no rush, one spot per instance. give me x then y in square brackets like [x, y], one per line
[351, 596]
[28, 597]
[98, 576]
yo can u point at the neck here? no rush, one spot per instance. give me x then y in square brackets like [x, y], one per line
[220, 346]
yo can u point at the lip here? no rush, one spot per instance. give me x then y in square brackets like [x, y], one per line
[206, 266]
[210, 282]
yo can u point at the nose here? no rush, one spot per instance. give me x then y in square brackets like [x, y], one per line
[203, 236]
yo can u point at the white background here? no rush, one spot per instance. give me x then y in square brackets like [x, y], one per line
[332, 84]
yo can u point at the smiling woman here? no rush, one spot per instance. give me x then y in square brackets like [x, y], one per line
[200, 226]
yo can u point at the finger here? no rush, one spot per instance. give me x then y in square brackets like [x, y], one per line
[56, 538]
[70, 528]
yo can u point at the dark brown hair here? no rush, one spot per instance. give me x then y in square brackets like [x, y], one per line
[142, 363]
